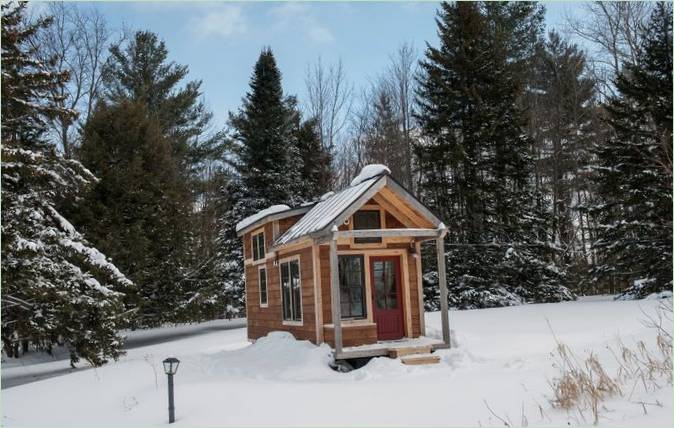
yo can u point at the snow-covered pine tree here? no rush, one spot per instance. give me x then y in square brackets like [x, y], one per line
[475, 160]
[634, 171]
[564, 122]
[56, 287]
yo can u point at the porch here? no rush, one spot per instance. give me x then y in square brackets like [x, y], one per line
[394, 348]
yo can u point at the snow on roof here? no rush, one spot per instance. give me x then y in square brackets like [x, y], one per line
[326, 195]
[370, 171]
[325, 211]
[259, 215]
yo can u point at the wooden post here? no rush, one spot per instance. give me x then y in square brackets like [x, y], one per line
[334, 288]
[442, 277]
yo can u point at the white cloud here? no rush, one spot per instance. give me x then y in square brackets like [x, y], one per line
[224, 21]
[297, 16]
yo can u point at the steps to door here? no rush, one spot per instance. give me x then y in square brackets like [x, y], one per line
[409, 350]
[414, 355]
[418, 359]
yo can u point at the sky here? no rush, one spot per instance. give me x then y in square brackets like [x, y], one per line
[220, 41]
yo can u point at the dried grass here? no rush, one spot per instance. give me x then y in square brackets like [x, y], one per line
[584, 385]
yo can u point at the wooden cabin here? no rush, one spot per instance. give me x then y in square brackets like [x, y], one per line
[345, 270]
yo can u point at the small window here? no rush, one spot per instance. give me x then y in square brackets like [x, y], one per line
[262, 278]
[291, 291]
[258, 246]
[352, 286]
[366, 220]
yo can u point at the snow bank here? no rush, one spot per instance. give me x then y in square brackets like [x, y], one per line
[259, 215]
[370, 171]
[503, 359]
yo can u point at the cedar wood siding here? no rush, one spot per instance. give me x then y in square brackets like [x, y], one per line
[262, 320]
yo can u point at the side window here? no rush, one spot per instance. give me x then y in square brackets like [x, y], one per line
[262, 281]
[291, 291]
[366, 219]
[258, 246]
[352, 286]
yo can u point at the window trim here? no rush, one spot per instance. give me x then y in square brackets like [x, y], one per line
[253, 237]
[260, 268]
[382, 225]
[281, 262]
[363, 274]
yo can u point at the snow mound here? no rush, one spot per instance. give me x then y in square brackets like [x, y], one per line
[327, 195]
[259, 215]
[370, 171]
[277, 356]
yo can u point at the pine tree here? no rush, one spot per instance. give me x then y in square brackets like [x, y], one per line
[634, 171]
[561, 100]
[475, 159]
[56, 287]
[267, 163]
[140, 71]
[384, 141]
[140, 210]
[315, 160]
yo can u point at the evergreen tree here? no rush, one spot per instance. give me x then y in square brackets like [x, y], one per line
[384, 141]
[476, 164]
[267, 163]
[634, 171]
[140, 209]
[563, 123]
[56, 287]
[315, 160]
[140, 71]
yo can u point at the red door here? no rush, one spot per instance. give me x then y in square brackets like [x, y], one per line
[386, 297]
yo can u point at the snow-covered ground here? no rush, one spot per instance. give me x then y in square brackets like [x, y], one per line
[501, 368]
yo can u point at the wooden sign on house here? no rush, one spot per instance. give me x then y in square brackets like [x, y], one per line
[345, 270]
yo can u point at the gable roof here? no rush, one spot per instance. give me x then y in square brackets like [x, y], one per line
[337, 208]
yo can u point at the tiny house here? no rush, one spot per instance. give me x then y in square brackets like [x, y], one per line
[345, 270]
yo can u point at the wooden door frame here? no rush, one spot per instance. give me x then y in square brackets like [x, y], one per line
[401, 294]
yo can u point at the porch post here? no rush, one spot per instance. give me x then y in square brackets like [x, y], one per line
[334, 288]
[442, 277]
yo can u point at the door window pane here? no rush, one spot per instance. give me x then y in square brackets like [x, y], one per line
[386, 293]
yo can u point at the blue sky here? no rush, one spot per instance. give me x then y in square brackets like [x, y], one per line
[220, 41]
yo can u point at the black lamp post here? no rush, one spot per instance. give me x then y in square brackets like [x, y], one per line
[170, 368]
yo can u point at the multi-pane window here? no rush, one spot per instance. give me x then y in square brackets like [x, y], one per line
[366, 219]
[262, 272]
[291, 291]
[258, 246]
[352, 286]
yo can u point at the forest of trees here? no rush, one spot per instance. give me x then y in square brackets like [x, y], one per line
[551, 164]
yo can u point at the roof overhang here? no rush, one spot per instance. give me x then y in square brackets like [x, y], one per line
[275, 216]
[346, 212]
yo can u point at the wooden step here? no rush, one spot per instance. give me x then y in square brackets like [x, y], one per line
[409, 350]
[418, 359]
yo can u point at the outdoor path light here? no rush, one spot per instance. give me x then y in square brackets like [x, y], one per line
[170, 368]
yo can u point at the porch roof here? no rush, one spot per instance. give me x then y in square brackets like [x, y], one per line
[332, 211]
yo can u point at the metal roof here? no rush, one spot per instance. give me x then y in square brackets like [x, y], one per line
[324, 213]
